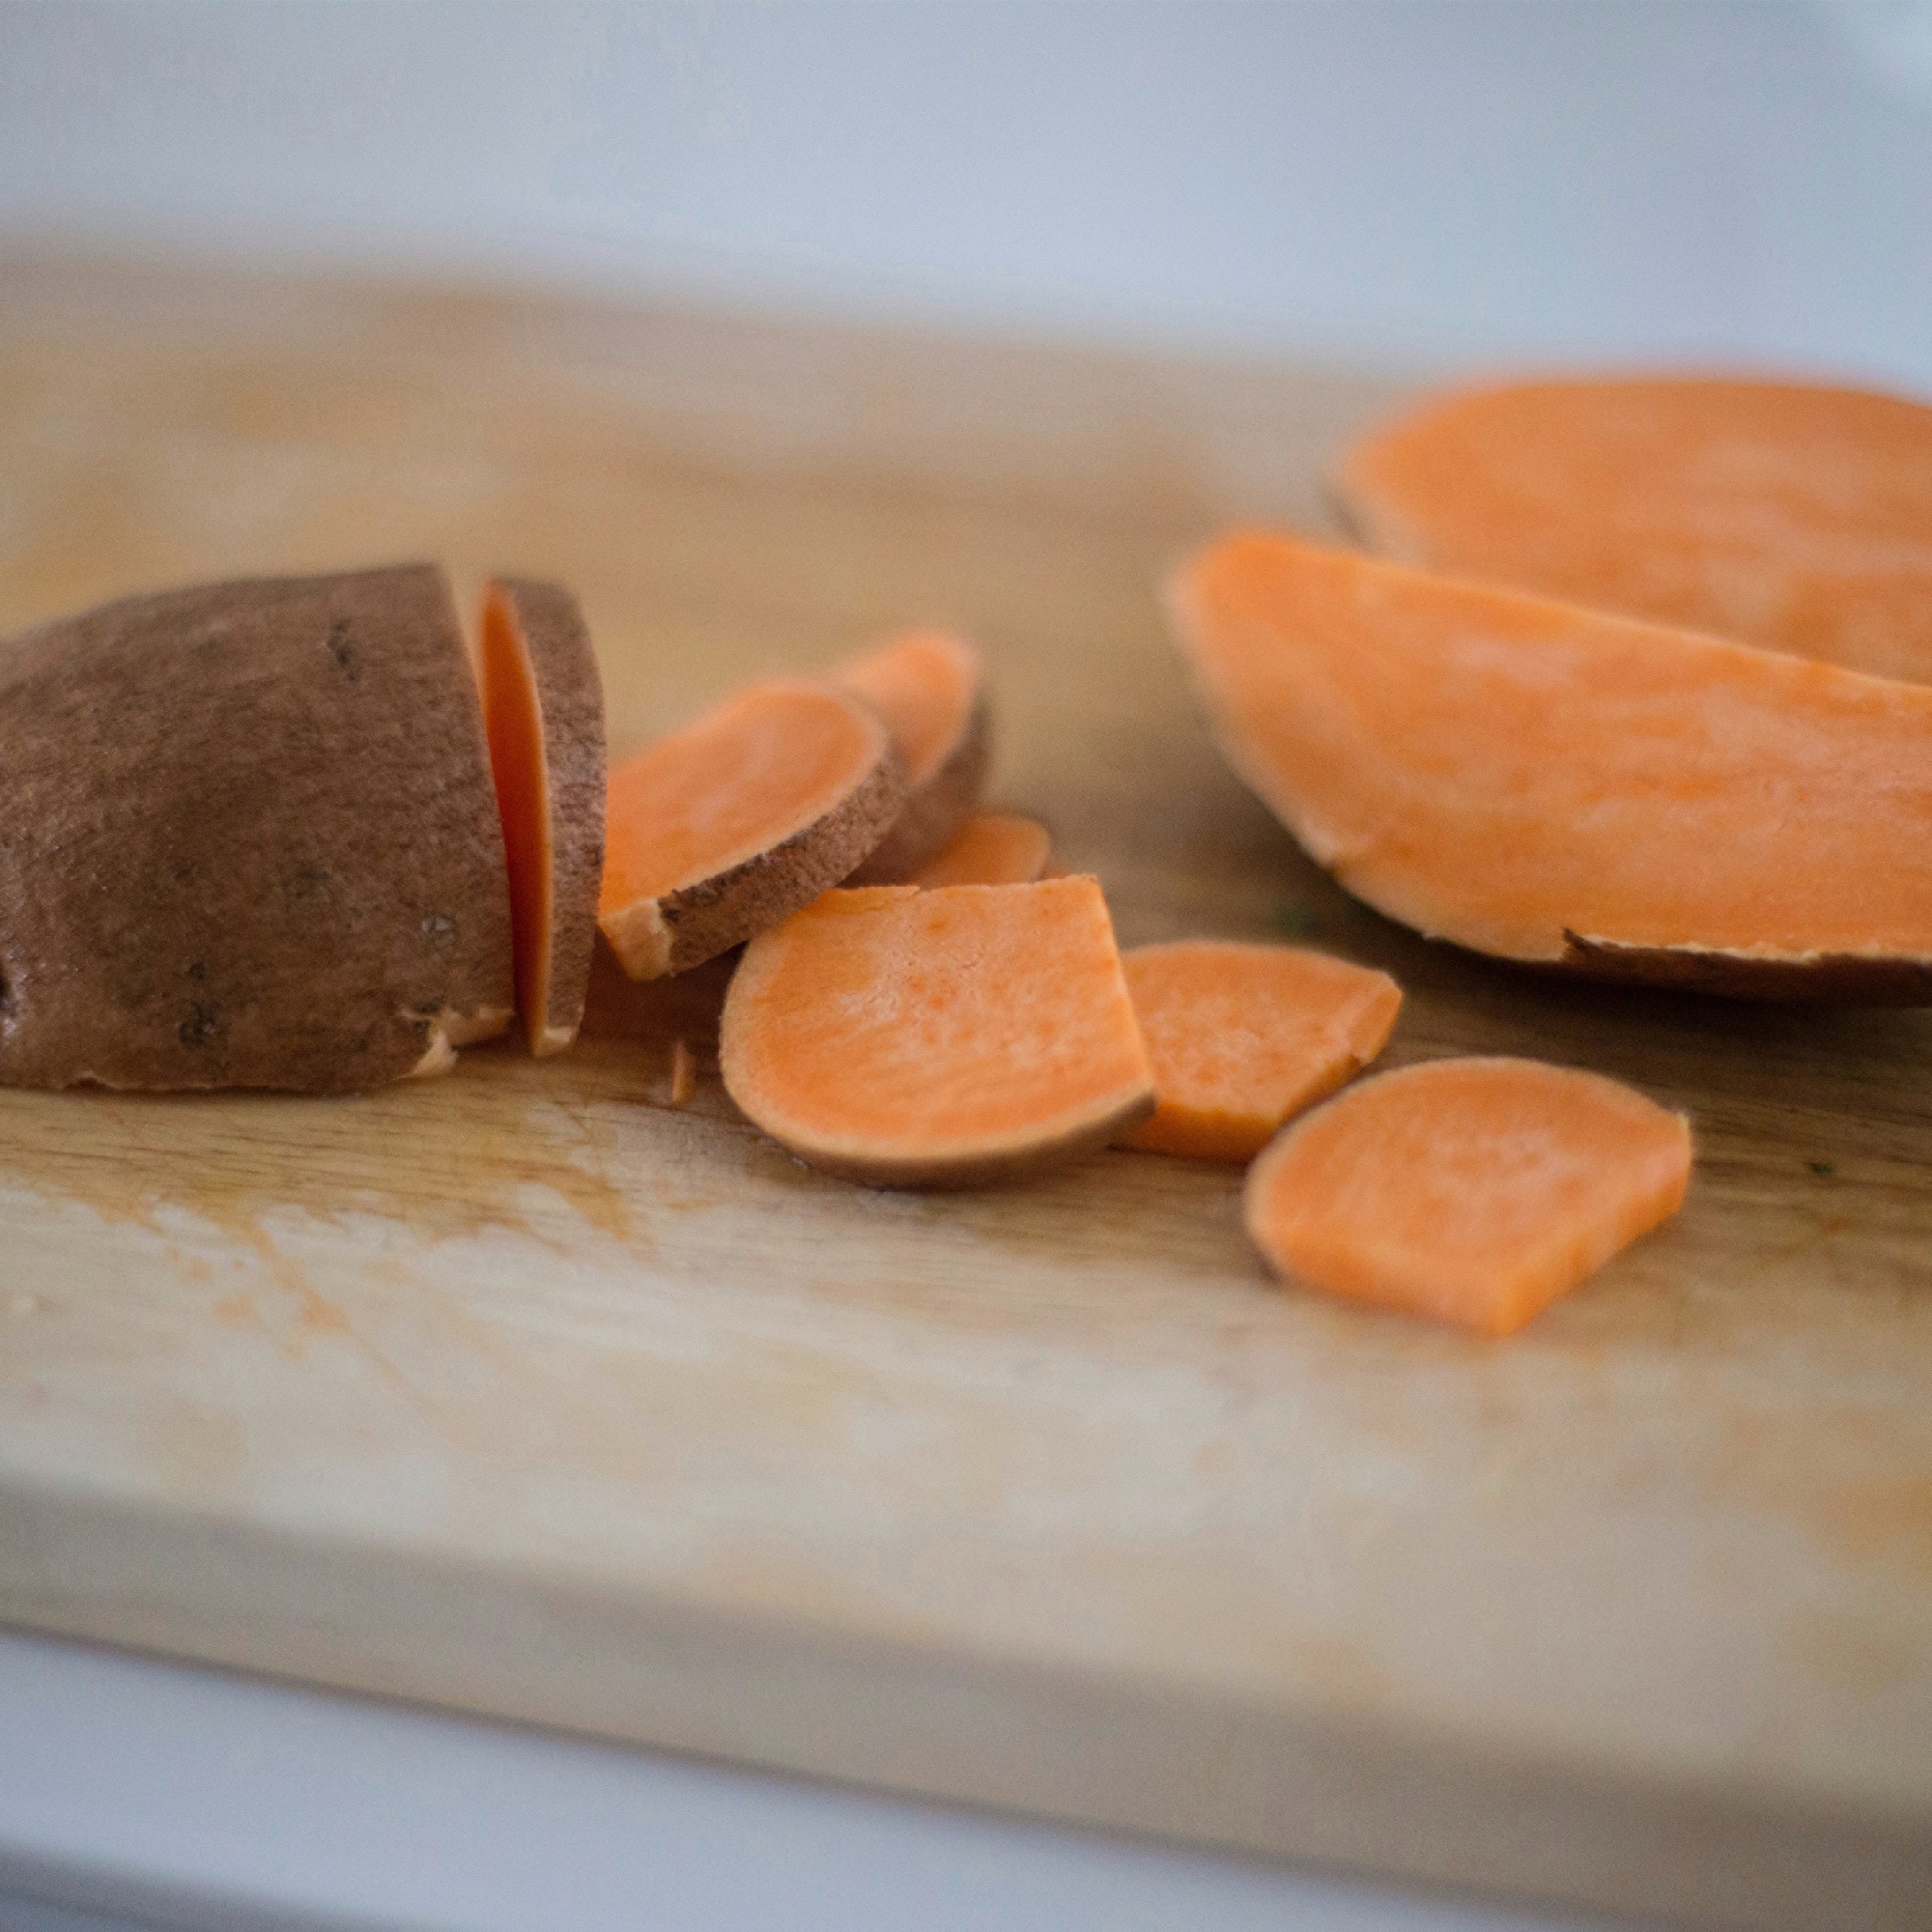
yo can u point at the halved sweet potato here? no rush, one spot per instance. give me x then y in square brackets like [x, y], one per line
[726, 826]
[1242, 1038]
[1547, 783]
[990, 849]
[1790, 516]
[930, 687]
[543, 702]
[937, 1039]
[1474, 1191]
[250, 839]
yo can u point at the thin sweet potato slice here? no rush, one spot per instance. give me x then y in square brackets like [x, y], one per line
[937, 1039]
[990, 849]
[250, 839]
[930, 687]
[1548, 783]
[727, 826]
[1793, 517]
[543, 703]
[1473, 1191]
[1242, 1038]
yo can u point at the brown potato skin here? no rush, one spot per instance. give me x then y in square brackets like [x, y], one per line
[570, 706]
[936, 809]
[250, 838]
[730, 907]
[1831, 979]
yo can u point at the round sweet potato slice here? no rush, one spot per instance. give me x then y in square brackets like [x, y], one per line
[937, 1039]
[1791, 516]
[250, 839]
[1473, 1191]
[930, 687]
[1241, 1037]
[990, 849]
[543, 702]
[1547, 783]
[726, 826]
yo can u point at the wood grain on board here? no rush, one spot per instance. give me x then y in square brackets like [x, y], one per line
[528, 1393]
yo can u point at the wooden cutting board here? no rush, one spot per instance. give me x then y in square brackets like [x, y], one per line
[523, 1392]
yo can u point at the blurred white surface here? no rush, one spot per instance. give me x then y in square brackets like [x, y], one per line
[1741, 180]
[132, 1791]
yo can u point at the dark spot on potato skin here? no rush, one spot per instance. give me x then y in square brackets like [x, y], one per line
[198, 970]
[202, 1024]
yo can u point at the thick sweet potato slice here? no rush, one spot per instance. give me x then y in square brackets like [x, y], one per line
[543, 703]
[1475, 1191]
[722, 829]
[930, 687]
[1795, 518]
[1242, 1038]
[914, 1039]
[1547, 783]
[250, 839]
[990, 849]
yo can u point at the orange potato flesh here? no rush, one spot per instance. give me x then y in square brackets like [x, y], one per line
[739, 811]
[1472, 1191]
[1240, 1037]
[514, 729]
[1526, 776]
[990, 850]
[909, 1037]
[924, 686]
[764, 764]
[1796, 517]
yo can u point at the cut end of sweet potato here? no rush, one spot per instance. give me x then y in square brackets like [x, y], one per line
[937, 1039]
[543, 703]
[725, 828]
[930, 688]
[1242, 1038]
[991, 849]
[1472, 1191]
[1794, 516]
[1547, 783]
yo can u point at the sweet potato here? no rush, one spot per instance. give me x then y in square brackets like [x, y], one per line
[1240, 1037]
[727, 826]
[990, 849]
[930, 687]
[1552, 785]
[937, 1039]
[250, 839]
[1475, 1191]
[543, 703]
[1793, 517]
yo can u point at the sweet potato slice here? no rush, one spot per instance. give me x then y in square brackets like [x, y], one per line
[930, 687]
[914, 1038]
[1548, 783]
[543, 703]
[726, 826]
[1795, 518]
[991, 849]
[1241, 1037]
[1475, 1191]
[250, 839]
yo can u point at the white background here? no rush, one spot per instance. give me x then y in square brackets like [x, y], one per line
[1384, 181]
[1492, 180]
